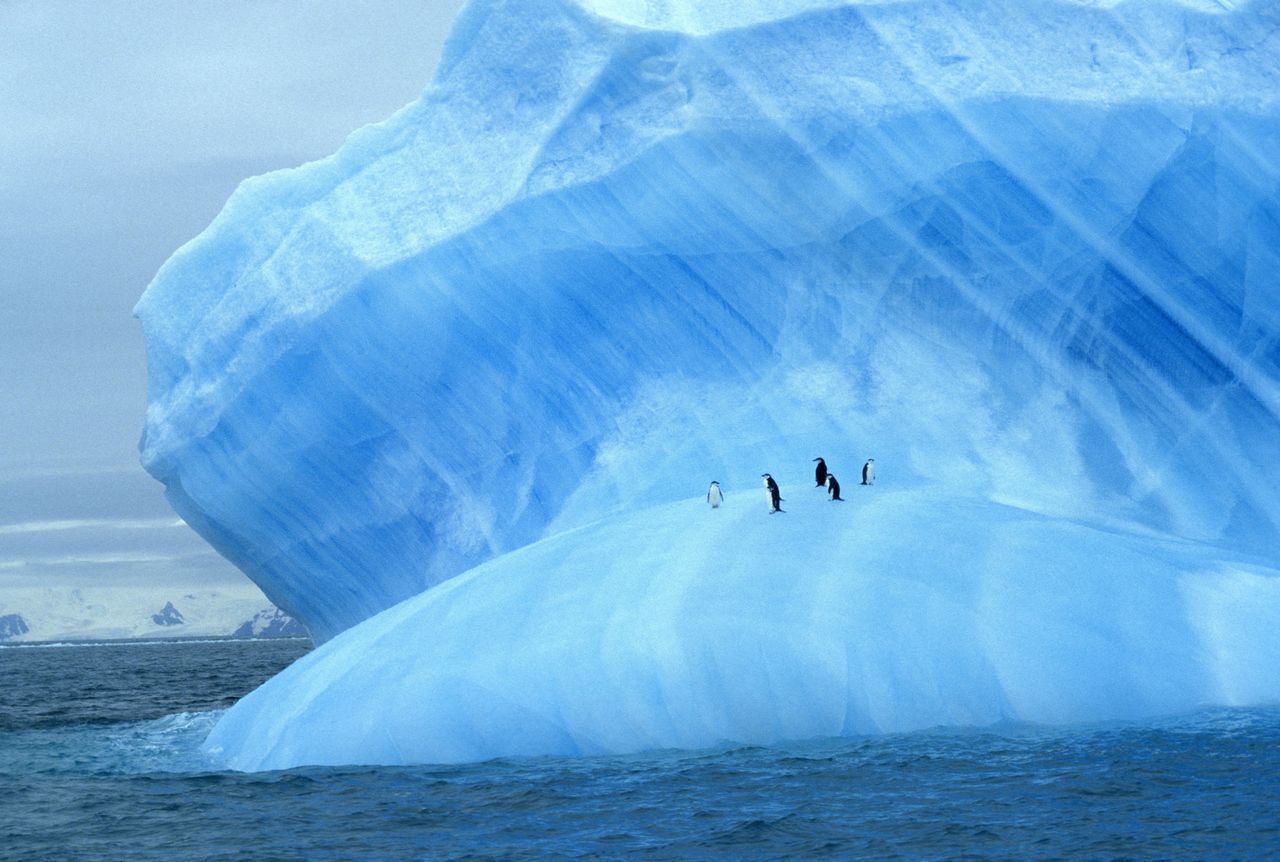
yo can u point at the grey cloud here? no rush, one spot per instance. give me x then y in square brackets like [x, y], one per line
[125, 127]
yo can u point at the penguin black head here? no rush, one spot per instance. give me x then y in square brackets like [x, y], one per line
[764, 476]
[817, 459]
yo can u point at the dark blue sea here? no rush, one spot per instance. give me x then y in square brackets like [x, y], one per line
[100, 759]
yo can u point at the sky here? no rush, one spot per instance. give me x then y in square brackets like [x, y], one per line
[124, 128]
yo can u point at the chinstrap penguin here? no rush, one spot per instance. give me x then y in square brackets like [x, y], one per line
[869, 472]
[775, 496]
[833, 488]
[714, 496]
[820, 473]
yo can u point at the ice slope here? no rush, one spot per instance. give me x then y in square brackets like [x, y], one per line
[680, 626]
[1022, 251]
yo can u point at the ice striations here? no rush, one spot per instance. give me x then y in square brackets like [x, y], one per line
[1025, 254]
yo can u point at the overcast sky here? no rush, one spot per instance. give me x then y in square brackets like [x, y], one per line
[124, 127]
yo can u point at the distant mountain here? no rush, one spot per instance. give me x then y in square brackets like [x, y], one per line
[53, 614]
[12, 626]
[107, 613]
[168, 616]
[271, 623]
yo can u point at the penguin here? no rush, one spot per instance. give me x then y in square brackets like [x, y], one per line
[775, 496]
[820, 473]
[869, 472]
[714, 495]
[833, 488]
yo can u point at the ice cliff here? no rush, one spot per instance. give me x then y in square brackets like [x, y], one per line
[1025, 254]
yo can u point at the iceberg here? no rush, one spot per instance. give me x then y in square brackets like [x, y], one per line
[686, 627]
[1025, 255]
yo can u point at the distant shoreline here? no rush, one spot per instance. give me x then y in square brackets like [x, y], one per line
[158, 641]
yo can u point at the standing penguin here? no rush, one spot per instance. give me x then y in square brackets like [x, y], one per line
[833, 488]
[820, 473]
[714, 496]
[775, 496]
[869, 472]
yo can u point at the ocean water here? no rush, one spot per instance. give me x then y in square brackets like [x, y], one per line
[100, 759]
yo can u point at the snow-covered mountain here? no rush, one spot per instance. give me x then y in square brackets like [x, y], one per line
[271, 623]
[1026, 256]
[12, 626]
[89, 613]
[168, 616]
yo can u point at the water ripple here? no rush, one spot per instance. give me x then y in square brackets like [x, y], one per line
[1203, 786]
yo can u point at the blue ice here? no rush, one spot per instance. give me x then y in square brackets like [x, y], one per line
[1026, 255]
